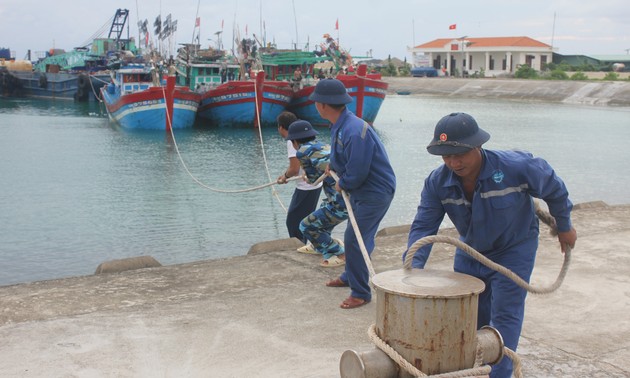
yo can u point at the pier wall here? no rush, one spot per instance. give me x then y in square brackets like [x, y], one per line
[603, 93]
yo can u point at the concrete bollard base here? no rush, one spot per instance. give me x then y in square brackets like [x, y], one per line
[132, 263]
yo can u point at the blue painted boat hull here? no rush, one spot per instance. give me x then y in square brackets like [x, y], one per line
[234, 104]
[147, 109]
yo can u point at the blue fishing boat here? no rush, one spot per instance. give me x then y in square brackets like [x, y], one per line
[245, 103]
[138, 98]
[368, 92]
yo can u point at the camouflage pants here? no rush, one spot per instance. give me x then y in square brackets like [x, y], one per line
[318, 226]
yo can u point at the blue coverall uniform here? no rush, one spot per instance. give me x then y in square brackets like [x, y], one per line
[500, 222]
[317, 227]
[361, 162]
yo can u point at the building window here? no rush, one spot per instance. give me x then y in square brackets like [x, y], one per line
[491, 63]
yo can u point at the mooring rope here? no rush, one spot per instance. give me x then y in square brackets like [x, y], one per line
[262, 145]
[475, 371]
[491, 264]
[357, 231]
[197, 181]
[89, 77]
[409, 368]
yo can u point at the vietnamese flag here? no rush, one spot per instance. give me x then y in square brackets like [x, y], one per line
[197, 22]
[452, 27]
[337, 25]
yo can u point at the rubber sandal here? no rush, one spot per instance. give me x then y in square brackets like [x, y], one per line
[352, 302]
[308, 249]
[333, 262]
[337, 282]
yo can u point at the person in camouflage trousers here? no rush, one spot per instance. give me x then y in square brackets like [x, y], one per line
[317, 227]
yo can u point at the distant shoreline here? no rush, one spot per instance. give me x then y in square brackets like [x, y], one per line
[600, 93]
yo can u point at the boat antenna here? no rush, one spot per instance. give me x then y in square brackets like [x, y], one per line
[297, 39]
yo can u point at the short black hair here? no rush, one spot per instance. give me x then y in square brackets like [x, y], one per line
[305, 140]
[285, 119]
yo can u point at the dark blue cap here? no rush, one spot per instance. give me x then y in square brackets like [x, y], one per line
[330, 91]
[456, 133]
[301, 130]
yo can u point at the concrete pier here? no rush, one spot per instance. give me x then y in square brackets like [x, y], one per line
[269, 314]
[589, 92]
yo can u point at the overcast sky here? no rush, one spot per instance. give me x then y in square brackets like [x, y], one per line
[384, 27]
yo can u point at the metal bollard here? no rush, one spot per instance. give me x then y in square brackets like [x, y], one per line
[490, 341]
[372, 364]
[430, 318]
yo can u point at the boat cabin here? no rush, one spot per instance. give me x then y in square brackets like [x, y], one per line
[134, 79]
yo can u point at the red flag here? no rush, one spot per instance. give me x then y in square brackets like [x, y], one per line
[197, 22]
[337, 25]
[452, 27]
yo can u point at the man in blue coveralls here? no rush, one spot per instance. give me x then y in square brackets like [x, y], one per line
[488, 196]
[359, 159]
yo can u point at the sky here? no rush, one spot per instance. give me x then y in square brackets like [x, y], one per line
[384, 28]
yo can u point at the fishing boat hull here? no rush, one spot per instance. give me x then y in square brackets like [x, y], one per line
[239, 104]
[60, 85]
[367, 91]
[147, 109]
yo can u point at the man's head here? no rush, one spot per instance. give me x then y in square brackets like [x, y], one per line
[301, 132]
[284, 120]
[456, 133]
[330, 92]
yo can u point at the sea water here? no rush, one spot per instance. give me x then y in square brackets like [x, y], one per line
[76, 190]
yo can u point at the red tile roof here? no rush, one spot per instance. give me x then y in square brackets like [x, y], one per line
[486, 42]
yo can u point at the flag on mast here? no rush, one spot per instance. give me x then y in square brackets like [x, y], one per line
[452, 27]
[337, 25]
[197, 22]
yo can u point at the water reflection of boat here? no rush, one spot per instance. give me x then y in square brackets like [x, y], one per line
[137, 98]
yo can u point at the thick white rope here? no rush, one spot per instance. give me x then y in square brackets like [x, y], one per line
[409, 368]
[357, 231]
[197, 181]
[262, 145]
[489, 263]
[475, 371]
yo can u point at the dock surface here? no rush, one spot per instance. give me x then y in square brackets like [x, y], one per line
[269, 314]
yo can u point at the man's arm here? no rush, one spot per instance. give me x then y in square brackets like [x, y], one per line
[292, 170]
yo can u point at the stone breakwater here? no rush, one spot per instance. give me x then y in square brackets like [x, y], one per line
[602, 93]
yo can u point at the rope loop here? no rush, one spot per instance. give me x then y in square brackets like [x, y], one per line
[489, 263]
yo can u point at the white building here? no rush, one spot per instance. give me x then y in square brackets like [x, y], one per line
[493, 55]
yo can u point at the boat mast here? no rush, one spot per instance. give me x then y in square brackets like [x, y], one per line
[297, 39]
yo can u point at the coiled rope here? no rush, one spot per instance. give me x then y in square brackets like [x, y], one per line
[475, 371]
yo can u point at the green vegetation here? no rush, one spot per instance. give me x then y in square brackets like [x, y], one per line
[525, 72]
[611, 76]
[579, 76]
[553, 71]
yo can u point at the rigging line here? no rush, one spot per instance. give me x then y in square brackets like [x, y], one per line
[181, 159]
[274, 192]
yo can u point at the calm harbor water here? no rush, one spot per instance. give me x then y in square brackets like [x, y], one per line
[76, 190]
